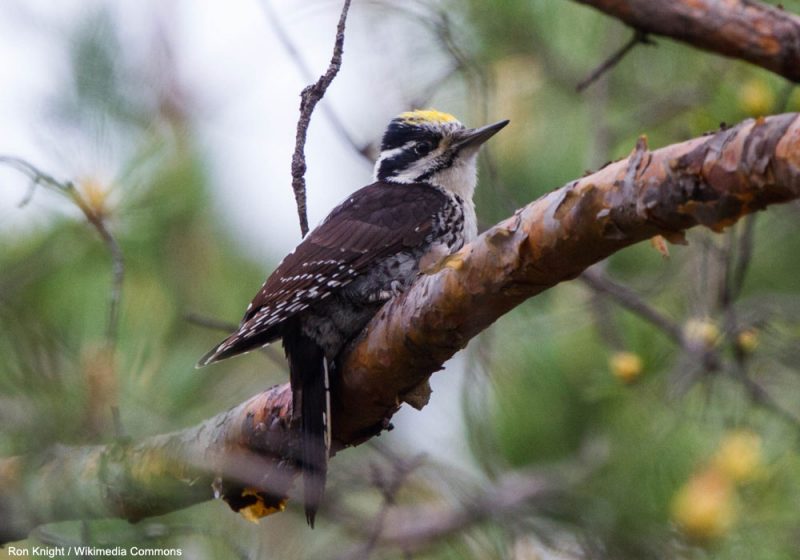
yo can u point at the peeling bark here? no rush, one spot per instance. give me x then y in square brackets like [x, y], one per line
[712, 181]
[753, 31]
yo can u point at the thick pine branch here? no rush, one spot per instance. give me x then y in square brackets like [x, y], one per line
[712, 181]
[750, 30]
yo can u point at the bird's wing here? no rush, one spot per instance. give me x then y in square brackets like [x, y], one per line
[379, 220]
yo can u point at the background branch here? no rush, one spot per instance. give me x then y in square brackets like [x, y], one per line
[416, 529]
[747, 29]
[628, 299]
[96, 218]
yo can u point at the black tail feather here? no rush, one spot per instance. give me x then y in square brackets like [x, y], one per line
[237, 343]
[309, 377]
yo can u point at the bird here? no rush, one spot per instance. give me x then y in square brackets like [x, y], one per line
[370, 248]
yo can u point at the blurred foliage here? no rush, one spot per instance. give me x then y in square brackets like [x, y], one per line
[677, 459]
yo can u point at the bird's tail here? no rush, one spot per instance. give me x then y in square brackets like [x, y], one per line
[311, 372]
[243, 340]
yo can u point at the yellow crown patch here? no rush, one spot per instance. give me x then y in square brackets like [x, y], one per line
[420, 116]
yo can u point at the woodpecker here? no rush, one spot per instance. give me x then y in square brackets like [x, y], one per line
[369, 249]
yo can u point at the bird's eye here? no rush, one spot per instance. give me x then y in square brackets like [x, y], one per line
[423, 147]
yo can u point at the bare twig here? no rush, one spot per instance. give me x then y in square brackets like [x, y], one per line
[639, 37]
[339, 126]
[36, 176]
[745, 254]
[731, 285]
[309, 98]
[415, 529]
[423, 98]
[95, 218]
[117, 263]
[389, 485]
[628, 299]
[604, 319]
[709, 357]
[479, 82]
[760, 396]
[119, 430]
[224, 326]
[210, 322]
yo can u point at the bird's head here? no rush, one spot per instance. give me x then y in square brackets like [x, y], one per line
[432, 147]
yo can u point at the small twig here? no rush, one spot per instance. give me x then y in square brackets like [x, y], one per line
[745, 255]
[423, 98]
[309, 98]
[97, 220]
[210, 322]
[119, 430]
[604, 320]
[478, 82]
[28, 195]
[730, 284]
[401, 469]
[632, 302]
[415, 529]
[36, 176]
[280, 31]
[117, 262]
[224, 326]
[389, 484]
[710, 358]
[760, 396]
[733, 280]
[614, 59]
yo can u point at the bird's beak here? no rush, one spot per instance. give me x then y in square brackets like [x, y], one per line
[474, 137]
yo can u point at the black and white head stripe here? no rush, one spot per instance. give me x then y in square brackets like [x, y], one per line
[414, 141]
[418, 125]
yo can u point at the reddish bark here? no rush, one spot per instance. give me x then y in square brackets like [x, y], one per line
[753, 31]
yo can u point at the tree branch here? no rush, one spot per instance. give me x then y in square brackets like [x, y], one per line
[239, 448]
[746, 29]
[712, 181]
